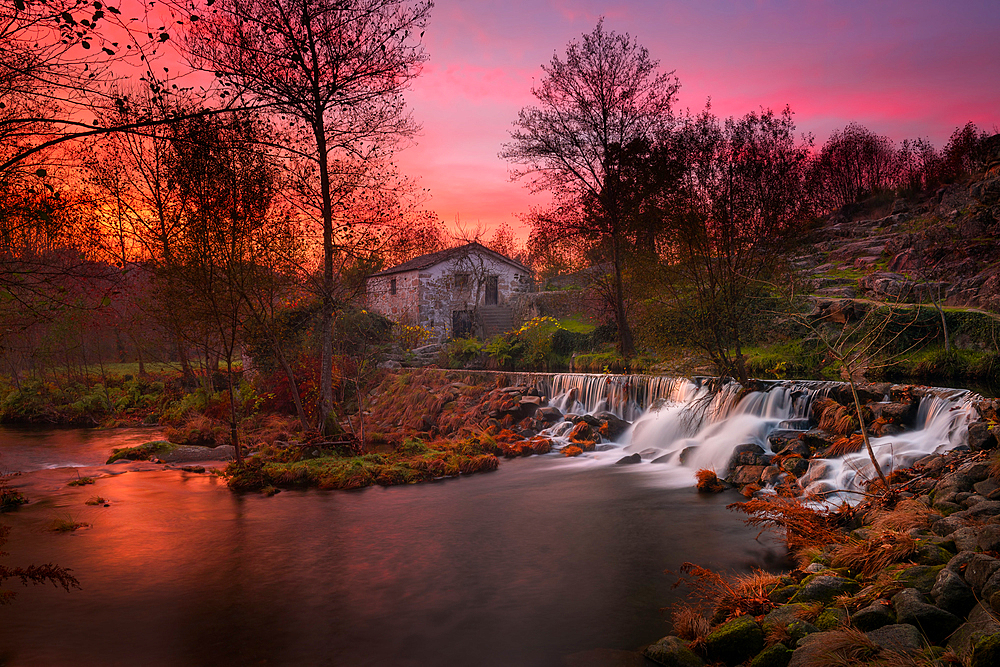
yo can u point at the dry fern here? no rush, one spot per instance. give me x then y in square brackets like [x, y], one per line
[708, 481]
[871, 556]
[908, 514]
[804, 527]
[689, 624]
[742, 594]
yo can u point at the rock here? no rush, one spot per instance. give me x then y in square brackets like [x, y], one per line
[735, 641]
[795, 466]
[981, 437]
[531, 401]
[831, 618]
[873, 617]
[797, 448]
[920, 577]
[672, 652]
[953, 483]
[798, 629]
[991, 587]
[897, 637]
[782, 437]
[981, 510]
[986, 487]
[390, 364]
[778, 655]
[810, 651]
[982, 623]
[933, 553]
[611, 425]
[583, 432]
[185, 453]
[591, 420]
[987, 652]
[947, 525]
[548, 414]
[911, 608]
[771, 475]
[747, 475]
[951, 593]
[823, 588]
[780, 617]
[978, 571]
[817, 438]
[633, 458]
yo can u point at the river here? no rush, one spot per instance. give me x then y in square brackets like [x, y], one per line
[539, 563]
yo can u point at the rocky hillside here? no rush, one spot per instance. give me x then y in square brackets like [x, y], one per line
[939, 246]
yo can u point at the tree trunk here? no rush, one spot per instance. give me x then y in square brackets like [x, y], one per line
[326, 326]
[626, 347]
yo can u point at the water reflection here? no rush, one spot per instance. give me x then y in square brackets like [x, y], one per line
[519, 567]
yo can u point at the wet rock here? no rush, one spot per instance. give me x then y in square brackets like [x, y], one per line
[899, 637]
[951, 593]
[747, 475]
[797, 448]
[986, 652]
[981, 437]
[672, 652]
[798, 629]
[780, 617]
[583, 432]
[823, 588]
[590, 420]
[795, 466]
[611, 425]
[986, 487]
[930, 552]
[771, 475]
[810, 651]
[934, 622]
[874, 617]
[735, 641]
[831, 618]
[633, 458]
[780, 438]
[818, 439]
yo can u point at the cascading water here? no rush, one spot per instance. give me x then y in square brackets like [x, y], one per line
[684, 425]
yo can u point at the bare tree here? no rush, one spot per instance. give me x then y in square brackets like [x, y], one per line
[605, 94]
[334, 71]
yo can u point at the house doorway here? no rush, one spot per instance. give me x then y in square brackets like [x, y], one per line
[491, 290]
[461, 323]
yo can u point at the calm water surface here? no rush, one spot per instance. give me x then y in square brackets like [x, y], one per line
[536, 564]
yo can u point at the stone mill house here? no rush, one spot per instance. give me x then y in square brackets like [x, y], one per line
[453, 293]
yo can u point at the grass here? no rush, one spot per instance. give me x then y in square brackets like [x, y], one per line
[415, 461]
[67, 525]
[96, 500]
[141, 452]
[576, 324]
[81, 481]
[10, 498]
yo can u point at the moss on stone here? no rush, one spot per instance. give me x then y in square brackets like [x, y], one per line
[778, 655]
[735, 641]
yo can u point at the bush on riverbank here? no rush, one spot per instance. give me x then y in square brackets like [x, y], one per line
[413, 461]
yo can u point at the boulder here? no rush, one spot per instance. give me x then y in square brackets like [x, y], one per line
[832, 618]
[899, 637]
[874, 616]
[778, 655]
[981, 437]
[920, 577]
[951, 593]
[611, 425]
[780, 617]
[735, 641]
[978, 571]
[632, 458]
[982, 623]
[672, 652]
[795, 466]
[986, 652]
[824, 588]
[934, 622]
[747, 475]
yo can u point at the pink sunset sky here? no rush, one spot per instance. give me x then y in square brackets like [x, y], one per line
[903, 69]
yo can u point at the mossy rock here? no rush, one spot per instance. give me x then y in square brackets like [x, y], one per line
[783, 594]
[141, 452]
[933, 554]
[673, 652]
[778, 655]
[987, 652]
[823, 587]
[921, 577]
[798, 629]
[735, 641]
[831, 619]
[781, 617]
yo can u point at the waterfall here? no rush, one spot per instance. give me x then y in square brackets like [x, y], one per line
[681, 425]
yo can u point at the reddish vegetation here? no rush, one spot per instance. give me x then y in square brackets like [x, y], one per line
[708, 482]
[846, 445]
[572, 451]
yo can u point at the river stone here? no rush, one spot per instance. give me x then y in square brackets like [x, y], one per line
[735, 641]
[966, 539]
[951, 593]
[981, 437]
[832, 618]
[899, 637]
[873, 617]
[824, 588]
[920, 577]
[783, 594]
[612, 425]
[982, 623]
[634, 458]
[987, 652]
[991, 587]
[986, 487]
[798, 629]
[931, 552]
[780, 438]
[795, 466]
[778, 655]
[954, 482]
[911, 608]
[948, 525]
[548, 414]
[780, 617]
[771, 475]
[672, 652]
[981, 510]
[978, 571]
[185, 453]
[747, 474]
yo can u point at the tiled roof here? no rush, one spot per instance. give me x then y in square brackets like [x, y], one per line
[435, 258]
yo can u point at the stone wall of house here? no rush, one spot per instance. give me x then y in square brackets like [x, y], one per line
[444, 291]
[404, 305]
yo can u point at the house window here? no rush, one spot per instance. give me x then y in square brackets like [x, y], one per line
[392, 287]
[461, 282]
